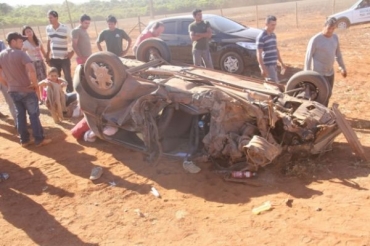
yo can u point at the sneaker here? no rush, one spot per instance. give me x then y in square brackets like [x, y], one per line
[45, 141]
[24, 145]
[190, 167]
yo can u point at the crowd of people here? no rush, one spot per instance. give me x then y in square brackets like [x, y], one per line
[25, 81]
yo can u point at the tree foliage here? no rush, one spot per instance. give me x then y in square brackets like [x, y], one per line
[99, 10]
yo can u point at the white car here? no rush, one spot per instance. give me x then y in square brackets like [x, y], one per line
[358, 13]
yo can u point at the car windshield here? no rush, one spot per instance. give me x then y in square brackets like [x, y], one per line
[225, 25]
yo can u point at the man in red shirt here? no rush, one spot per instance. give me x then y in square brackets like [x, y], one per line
[155, 31]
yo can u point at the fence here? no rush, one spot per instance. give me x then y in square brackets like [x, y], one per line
[290, 15]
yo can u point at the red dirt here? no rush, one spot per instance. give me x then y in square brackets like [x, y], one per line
[49, 199]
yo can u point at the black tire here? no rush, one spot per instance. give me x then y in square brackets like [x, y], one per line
[113, 73]
[317, 86]
[145, 48]
[343, 23]
[232, 62]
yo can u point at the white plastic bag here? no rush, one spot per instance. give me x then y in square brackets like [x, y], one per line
[89, 136]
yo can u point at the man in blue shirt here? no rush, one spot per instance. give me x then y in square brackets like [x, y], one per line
[267, 51]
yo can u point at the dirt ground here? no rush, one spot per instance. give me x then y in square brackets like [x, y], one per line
[49, 199]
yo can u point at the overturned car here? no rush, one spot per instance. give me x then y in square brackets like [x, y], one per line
[191, 112]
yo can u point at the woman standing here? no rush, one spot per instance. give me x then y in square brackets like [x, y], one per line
[36, 52]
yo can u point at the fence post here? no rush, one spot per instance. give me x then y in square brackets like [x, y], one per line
[333, 6]
[222, 14]
[296, 14]
[69, 15]
[257, 15]
[139, 22]
[96, 29]
[151, 9]
[38, 28]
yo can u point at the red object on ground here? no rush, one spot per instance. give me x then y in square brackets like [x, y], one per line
[80, 128]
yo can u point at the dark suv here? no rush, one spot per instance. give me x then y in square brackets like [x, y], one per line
[233, 46]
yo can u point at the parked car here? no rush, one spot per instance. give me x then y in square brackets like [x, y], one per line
[232, 47]
[356, 14]
[191, 112]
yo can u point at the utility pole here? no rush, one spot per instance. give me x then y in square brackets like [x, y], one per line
[151, 9]
[69, 14]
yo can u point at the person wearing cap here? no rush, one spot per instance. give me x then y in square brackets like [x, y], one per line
[4, 90]
[20, 77]
[113, 38]
[81, 40]
[322, 50]
[57, 54]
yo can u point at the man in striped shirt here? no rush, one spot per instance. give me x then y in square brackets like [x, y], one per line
[58, 47]
[267, 51]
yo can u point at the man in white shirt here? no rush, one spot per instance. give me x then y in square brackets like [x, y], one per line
[57, 46]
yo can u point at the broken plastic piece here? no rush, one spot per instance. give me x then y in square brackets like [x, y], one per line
[264, 207]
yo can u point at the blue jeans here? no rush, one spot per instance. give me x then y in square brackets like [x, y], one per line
[9, 101]
[199, 55]
[272, 73]
[70, 98]
[27, 103]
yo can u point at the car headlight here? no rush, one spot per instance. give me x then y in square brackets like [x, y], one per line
[247, 45]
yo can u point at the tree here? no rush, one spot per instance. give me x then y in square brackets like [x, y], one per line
[5, 8]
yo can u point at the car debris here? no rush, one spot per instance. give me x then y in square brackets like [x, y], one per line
[264, 207]
[192, 112]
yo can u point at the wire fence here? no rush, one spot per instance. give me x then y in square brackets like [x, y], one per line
[290, 15]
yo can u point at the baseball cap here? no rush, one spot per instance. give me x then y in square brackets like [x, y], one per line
[14, 36]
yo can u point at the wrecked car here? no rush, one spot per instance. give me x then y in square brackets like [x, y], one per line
[191, 112]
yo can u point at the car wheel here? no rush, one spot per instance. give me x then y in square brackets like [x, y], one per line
[314, 86]
[104, 75]
[150, 48]
[232, 62]
[343, 23]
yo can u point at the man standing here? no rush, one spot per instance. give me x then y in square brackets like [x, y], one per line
[4, 90]
[58, 46]
[200, 33]
[322, 50]
[18, 71]
[113, 38]
[267, 52]
[81, 40]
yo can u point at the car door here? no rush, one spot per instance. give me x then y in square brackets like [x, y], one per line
[169, 36]
[362, 12]
[185, 44]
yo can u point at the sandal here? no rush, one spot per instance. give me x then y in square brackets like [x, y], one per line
[3, 176]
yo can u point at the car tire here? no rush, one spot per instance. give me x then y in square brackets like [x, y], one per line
[143, 52]
[317, 85]
[232, 62]
[104, 75]
[343, 23]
